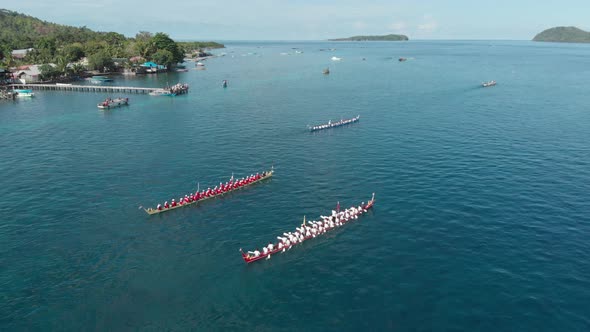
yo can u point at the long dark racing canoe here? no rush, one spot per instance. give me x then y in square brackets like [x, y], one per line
[308, 230]
[205, 195]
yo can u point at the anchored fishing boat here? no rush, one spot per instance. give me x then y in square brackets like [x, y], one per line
[110, 103]
[222, 189]
[308, 230]
[331, 124]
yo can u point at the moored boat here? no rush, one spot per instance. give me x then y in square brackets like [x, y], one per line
[110, 103]
[488, 84]
[162, 92]
[308, 230]
[326, 71]
[100, 79]
[331, 124]
[24, 93]
[199, 196]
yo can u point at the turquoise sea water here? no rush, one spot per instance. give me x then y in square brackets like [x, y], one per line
[481, 221]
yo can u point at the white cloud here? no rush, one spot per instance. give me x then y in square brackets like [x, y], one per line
[428, 24]
[429, 27]
[359, 25]
[397, 26]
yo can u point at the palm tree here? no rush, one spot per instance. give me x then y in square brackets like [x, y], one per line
[61, 64]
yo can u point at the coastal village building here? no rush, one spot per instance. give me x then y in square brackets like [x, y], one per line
[21, 54]
[28, 74]
[152, 67]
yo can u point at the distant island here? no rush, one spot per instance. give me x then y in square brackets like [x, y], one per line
[563, 35]
[373, 38]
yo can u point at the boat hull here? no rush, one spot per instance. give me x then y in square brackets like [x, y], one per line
[336, 124]
[24, 93]
[248, 259]
[151, 211]
[114, 103]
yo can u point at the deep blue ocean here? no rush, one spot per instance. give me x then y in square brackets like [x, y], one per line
[481, 221]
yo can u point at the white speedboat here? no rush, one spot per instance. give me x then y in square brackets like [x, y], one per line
[487, 84]
[335, 58]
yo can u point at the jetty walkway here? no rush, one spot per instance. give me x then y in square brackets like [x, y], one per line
[83, 88]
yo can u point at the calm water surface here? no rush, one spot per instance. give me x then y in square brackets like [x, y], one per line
[481, 222]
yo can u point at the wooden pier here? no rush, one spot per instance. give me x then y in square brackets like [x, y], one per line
[84, 88]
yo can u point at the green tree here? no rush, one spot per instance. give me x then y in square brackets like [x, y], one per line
[94, 46]
[143, 36]
[100, 61]
[163, 42]
[77, 69]
[163, 57]
[48, 72]
[61, 64]
[46, 46]
[7, 59]
[73, 52]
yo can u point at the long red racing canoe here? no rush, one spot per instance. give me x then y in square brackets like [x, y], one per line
[250, 257]
[264, 176]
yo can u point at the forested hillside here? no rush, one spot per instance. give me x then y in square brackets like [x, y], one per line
[62, 45]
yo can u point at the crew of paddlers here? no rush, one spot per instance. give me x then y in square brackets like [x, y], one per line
[331, 124]
[308, 230]
[210, 192]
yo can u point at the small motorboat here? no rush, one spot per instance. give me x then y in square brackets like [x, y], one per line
[488, 84]
[326, 71]
[110, 103]
[24, 93]
[335, 58]
[100, 79]
[224, 83]
[403, 59]
[162, 92]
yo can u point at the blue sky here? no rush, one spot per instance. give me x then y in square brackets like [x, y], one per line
[314, 19]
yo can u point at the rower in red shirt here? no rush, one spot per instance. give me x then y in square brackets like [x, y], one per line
[173, 203]
[166, 205]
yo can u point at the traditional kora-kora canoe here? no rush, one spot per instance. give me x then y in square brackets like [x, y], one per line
[331, 124]
[232, 185]
[309, 230]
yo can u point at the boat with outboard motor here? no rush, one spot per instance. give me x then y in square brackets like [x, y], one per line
[222, 189]
[331, 124]
[308, 231]
[110, 103]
